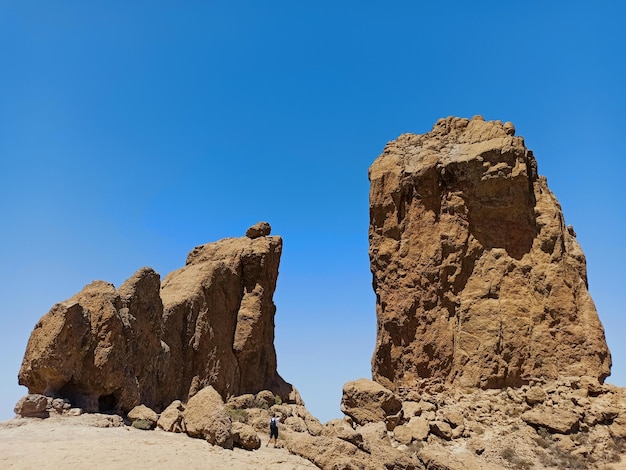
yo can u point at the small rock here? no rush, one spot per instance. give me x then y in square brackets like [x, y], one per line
[143, 413]
[509, 128]
[535, 395]
[260, 229]
[441, 429]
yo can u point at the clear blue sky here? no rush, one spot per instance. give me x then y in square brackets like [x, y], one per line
[132, 131]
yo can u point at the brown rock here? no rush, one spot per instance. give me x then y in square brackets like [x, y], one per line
[218, 319]
[535, 395]
[244, 401]
[209, 323]
[340, 429]
[333, 453]
[618, 427]
[553, 419]
[260, 229]
[441, 429]
[205, 416]
[245, 437]
[87, 349]
[410, 409]
[33, 406]
[171, 419]
[366, 401]
[416, 429]
[143, 413]
[477, 280]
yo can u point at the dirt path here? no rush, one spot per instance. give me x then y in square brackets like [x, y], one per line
[78, 443]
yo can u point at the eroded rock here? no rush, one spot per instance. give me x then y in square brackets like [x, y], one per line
[477, 279]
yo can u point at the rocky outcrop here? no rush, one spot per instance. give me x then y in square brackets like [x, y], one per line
[218, 319]
[209, 323]
[478, 281]
[100, 349]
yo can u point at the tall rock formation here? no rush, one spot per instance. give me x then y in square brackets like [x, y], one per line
[478, 281]
[219, 318]
[209, 323]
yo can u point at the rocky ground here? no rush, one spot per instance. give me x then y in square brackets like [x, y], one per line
[574, 423]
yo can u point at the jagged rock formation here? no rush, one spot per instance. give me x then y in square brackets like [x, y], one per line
[209, 323]
[478, 281]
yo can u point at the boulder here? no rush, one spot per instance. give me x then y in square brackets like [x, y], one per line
[171, 419]
[242, 401]
[478, 282]
[555, 420]
[535, 395]
[205, 417]
[340, 429]
[366, 401]
[245, 437]
[33, 406]
[143, 413]
[260, 229]
[441, 429]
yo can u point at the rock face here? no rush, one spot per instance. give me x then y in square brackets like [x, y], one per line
[218, 319]
[478, 281]
[101, 349]
[209, 323]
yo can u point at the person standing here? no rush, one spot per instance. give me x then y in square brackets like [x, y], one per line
[273, 429]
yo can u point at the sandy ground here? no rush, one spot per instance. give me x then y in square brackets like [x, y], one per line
[77, 443]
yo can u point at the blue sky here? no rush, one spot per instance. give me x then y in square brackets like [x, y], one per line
[132, 131]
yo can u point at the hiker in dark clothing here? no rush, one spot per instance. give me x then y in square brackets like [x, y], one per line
[273, 430]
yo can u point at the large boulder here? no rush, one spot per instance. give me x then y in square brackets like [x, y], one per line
[33, 406]
[245, 436]
[205, 416]
[366, 401]
[478, 280]
[143, 417]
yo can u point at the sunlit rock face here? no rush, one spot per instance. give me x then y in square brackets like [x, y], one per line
[149, 342]
[478, 280]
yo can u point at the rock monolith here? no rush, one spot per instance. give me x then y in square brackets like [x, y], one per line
[210, 323]
[478, 281]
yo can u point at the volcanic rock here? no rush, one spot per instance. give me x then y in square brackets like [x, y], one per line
[171, 419]
[245, 436]
[478, 281]
[205, 416]
[100, 349]
[366, 401]
[33, 406]
[218, 320]
[145, 414]
[209, 323]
